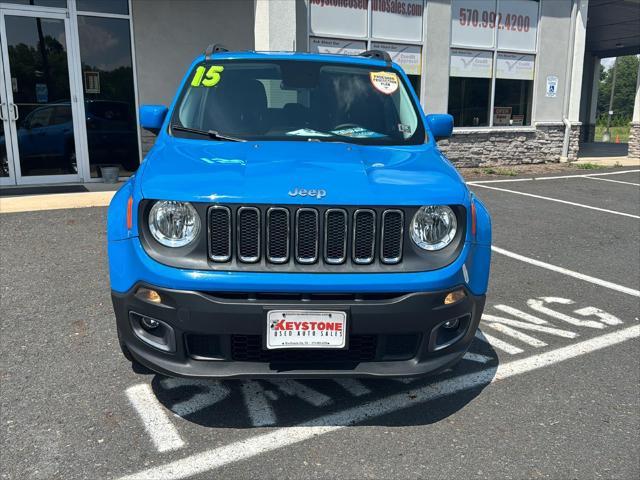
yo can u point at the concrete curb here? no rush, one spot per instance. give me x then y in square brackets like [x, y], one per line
[58, 201]
[610, 161]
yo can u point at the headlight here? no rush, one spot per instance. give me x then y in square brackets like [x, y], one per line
[433, 227]
[174, 224]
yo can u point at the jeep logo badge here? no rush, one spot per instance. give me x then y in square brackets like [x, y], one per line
[302, 192]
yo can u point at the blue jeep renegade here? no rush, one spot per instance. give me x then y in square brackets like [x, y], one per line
[295, 218]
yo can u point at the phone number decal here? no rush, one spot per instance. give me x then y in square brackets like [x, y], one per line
[470, 17]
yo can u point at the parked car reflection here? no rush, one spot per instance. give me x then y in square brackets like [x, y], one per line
[45, 141]
[112, 134]
[46, 137]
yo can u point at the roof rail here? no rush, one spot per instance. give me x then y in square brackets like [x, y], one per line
[377, 54]
[214, 48]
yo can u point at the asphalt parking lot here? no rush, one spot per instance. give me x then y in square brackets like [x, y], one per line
[550, 388]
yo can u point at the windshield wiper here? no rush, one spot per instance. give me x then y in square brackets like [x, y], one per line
[209, 133]
[326, 139]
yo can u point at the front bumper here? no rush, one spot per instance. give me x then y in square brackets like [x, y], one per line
[219, 335]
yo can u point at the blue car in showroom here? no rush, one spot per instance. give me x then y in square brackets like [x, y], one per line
[295, 218]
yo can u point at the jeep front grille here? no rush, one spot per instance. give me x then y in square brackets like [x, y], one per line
[335, 236]
[220, 233]
[305, 235]
[307, 228]
[392, 236]
[364, 236]
[249, 234]
[278, 235]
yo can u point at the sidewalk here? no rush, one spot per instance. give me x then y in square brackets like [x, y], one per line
[55, 197]
[611, 161]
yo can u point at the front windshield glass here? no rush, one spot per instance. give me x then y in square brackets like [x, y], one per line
[297, 100]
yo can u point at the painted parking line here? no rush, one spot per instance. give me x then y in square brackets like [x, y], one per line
[557, 177]
[528, 326]
[498, 344]
[163, 433]
[258, 407]
[245, 449]
[307, 394]
[517, 334]
[355, 387]
[476, 357]
[209, 393]
[557, 200]
[612, 181]
[570, 273]
[514, 329]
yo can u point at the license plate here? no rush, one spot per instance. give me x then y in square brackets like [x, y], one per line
[306, 329]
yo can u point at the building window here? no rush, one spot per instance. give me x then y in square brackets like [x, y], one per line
[109, 94]
[351, 27]
[492, 61]
[120, 7]
[40, 3]
[513, 98]
[469, 101]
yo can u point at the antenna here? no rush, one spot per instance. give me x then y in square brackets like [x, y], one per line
[214, 48]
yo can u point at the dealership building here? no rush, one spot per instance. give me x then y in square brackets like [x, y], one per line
[520, 77]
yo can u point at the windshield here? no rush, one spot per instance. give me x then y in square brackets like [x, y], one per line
[297, 100]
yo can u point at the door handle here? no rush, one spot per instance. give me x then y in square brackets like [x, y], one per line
[2, 117]
[16, 113]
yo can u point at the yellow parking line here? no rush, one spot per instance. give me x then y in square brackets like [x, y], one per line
[31, 203]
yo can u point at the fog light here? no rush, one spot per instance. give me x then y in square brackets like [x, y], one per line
[148, 295]
[149, 323]
[451, 324]
[156, 333]
[454, 297]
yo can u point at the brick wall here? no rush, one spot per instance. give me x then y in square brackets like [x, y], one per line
[634, 140]
[540, 144]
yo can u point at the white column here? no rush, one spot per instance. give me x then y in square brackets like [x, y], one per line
[435, 57]
[578, 61]
[636, 103]
[593, 100]
[275, 25]
[595, 88]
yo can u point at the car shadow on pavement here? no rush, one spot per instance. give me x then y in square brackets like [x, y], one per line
[330, 402]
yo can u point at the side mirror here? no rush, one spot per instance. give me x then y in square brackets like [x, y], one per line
[152, 117]
[441, 125]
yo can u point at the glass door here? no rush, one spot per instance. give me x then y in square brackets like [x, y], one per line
[39, 96]
[7, 176]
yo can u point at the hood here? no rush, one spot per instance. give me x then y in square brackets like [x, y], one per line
[265, 172]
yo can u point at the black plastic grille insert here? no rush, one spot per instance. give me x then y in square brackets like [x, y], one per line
[248, 348]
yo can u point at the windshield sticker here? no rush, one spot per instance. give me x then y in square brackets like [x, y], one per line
[357, 132]
[211, 78]
[307, 132]
[404, 128]
[385, 82]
